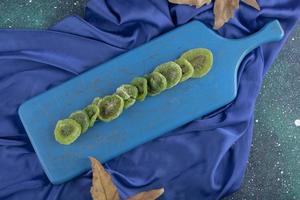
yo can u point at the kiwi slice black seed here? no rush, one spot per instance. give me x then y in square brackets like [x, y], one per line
[201, 59]
[141, 84]
[110, 107]
[81, 118]
[171, 71]
[186, 68]
[92, 111]
[156, 83]
[67, 131]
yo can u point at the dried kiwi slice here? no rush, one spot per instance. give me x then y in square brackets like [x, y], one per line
[124, 95]
[141, 84]
[186, 68]
[81, 118]
[96, 101]
[67, 131]
[92, 111]
[127, 91]
[128, 102]
[110, 107]
[200, 59]
[171, 71]
[156, 83]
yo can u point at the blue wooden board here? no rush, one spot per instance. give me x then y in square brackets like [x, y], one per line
[145, 120]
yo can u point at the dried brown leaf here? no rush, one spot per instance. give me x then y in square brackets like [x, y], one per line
[252, 3]
[103, 187]
[197, 3]
[223, 11]
[148, 195]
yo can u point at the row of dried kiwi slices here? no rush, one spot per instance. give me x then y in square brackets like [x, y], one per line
[194, 63]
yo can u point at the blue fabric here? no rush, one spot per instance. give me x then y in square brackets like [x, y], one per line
[204, 159]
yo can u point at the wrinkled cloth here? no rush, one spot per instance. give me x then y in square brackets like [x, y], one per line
[204, 159]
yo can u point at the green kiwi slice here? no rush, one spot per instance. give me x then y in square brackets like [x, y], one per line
[81, 118]
[171, 71]
[67, 131]
[96, 101]
[186, 68]
[110, 107]
[128, 93]
[128, 102]
[156, 83]
[92, 111]
[141, 84]
[201, 59]
[124, 95]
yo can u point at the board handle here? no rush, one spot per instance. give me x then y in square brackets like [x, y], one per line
[269, 33]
